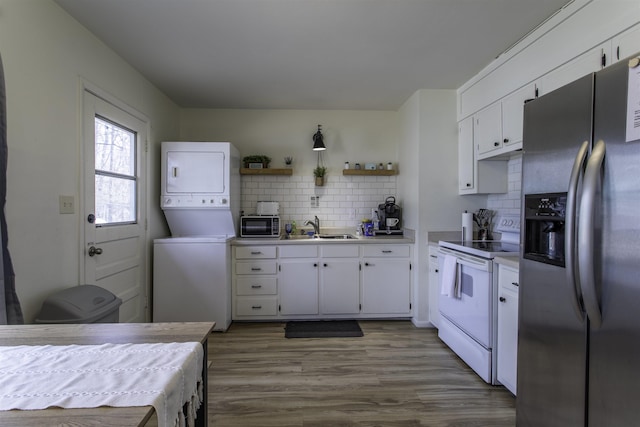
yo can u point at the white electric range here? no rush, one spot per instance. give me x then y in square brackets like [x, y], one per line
[469, 295]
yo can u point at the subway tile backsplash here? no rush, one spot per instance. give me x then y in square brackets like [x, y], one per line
[343, 201]
[509, 203]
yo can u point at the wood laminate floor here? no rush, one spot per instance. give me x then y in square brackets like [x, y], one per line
[396, 375]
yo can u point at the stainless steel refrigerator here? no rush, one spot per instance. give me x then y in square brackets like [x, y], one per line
[579, 313]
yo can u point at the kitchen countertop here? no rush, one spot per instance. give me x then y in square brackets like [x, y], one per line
[408, 237]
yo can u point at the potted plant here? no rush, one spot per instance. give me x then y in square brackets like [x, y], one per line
[319, 172]
[288, 161]
[256, 161]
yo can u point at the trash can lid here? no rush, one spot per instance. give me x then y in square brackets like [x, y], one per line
[79, 304]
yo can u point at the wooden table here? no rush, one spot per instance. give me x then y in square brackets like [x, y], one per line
[95, 334]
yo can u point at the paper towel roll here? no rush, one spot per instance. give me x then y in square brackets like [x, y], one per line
[467, 226]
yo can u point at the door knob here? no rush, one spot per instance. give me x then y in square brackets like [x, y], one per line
[94, 251]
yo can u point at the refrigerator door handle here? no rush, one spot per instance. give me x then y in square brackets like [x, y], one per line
[570, 229]
[586, 265]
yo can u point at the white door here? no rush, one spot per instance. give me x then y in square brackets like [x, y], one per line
[114, 213]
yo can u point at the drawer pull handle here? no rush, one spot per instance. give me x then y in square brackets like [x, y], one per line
[256, 307]
[255, 252]
[256, 269]
[256, 286]
[515, 284]
[387, 251]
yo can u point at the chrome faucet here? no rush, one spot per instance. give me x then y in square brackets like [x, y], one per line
[315, 223]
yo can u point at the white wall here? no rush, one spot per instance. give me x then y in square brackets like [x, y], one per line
[353, 136]
[428, 183]
[46, 54]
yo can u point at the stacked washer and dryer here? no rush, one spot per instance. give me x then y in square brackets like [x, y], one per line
[200, 184]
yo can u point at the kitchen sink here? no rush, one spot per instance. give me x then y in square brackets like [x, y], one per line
[335, 236]
[318, 237]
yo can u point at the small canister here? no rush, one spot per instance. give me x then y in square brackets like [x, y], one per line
[368, 228]
[346, 165]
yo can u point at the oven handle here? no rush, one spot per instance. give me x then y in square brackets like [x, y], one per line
[467, 260]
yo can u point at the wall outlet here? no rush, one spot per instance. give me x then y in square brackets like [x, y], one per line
[67, 204]
[315, 201]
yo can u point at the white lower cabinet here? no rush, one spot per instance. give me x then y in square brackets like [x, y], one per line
[340, 279]
[255, 282]
[507, 326]
[321, 281]
[434, 286]
[298, 277]
[386, 279]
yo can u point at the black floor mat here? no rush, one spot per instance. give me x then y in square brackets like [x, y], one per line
[323, 329]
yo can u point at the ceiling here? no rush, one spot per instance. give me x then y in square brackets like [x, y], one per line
[307, 54]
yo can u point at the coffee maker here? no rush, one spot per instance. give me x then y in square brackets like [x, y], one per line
[390, 217]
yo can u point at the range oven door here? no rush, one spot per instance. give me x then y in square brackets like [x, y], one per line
[471, 312]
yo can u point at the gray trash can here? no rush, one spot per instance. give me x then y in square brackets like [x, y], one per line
[80, 304]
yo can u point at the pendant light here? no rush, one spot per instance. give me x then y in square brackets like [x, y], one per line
[318, 142]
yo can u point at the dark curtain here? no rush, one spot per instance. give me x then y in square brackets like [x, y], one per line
[10, 312]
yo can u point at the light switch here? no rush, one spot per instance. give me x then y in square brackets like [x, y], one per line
[67, 204]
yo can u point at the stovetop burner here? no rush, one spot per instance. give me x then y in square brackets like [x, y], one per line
[508, 225]
[483, 248]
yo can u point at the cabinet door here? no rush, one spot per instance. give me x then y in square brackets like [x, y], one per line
[584, 64]
[298, 286]
[512, 115]
[507, 327]
[340, 286]
[626, 44]
[487, 132]
[434, 287]
[386, 286]
[466, 159]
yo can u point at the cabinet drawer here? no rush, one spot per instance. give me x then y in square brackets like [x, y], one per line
[298, 251]
[340, 251]
[256, 285]
[255, 252]
[508, 277]
[386, 251]
[256, 267]
[256, 306]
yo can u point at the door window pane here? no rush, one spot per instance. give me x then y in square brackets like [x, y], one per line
[115, 179]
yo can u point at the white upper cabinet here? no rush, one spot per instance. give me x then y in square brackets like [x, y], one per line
[466, 159]
[512, 117]
[626, 44]
[588, 62]
[487, 133]
[477, 176]
[498, 128]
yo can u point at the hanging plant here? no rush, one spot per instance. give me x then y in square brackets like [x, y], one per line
[319, 172]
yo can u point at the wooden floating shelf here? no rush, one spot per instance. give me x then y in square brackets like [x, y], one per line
[377, 172]
[267, 171]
